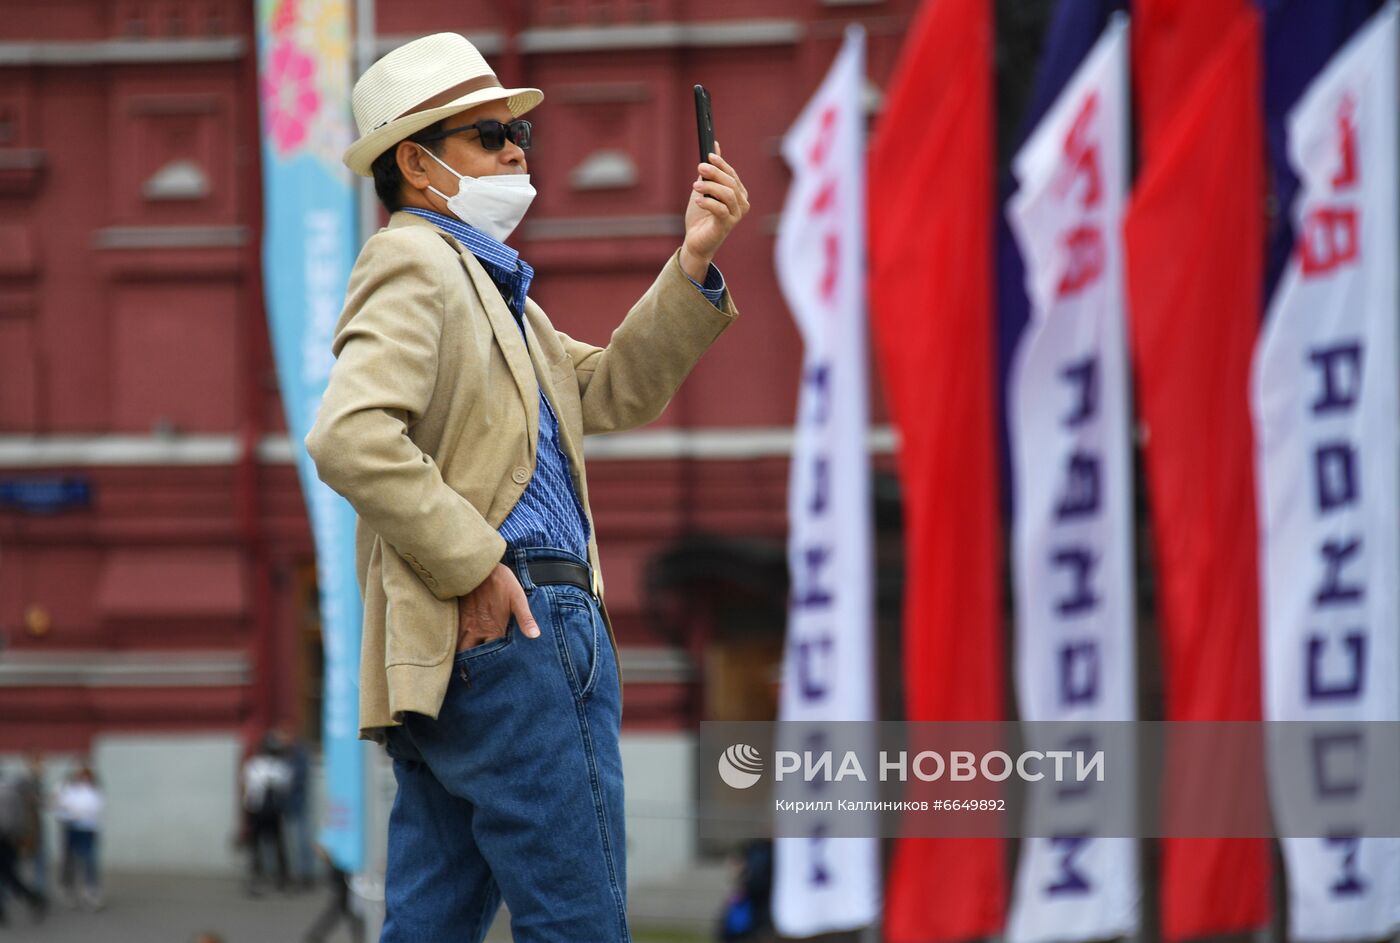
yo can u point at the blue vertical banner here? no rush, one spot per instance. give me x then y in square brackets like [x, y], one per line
[309, 245]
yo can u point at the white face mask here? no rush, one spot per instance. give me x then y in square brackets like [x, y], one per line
[495, 204]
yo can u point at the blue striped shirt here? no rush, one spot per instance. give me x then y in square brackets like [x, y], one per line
[549, 513]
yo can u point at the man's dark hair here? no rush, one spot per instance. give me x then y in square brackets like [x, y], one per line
[388, 179]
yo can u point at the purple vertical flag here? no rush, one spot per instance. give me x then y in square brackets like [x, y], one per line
[1300, 37]
[1076, 26]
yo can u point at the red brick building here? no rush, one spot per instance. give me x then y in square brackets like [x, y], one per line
[156, 567]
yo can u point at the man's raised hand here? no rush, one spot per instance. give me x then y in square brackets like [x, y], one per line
[709, 221]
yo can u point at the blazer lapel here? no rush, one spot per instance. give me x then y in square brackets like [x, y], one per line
[502, 325]
[511, 342]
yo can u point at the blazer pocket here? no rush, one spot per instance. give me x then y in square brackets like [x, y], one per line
[419, 628]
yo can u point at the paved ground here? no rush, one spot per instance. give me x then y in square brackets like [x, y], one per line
[144, 909]
[149, 909]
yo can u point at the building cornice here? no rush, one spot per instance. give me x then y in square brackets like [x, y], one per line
[487, 42]
[104, 668]
[668, 35]
[122, 51]
[714, 444]
[170, 237]
[109, 669]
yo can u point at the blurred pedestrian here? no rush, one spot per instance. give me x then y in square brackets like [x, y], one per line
[206, 937]
[748, 912]
[79, 807]
[339, 907]
[33, 843]
[296, 817]
[267, 781]
[12, 824]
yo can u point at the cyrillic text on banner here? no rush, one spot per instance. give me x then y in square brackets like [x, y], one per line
[1326, 396]
[1069, 417]
[828, 884]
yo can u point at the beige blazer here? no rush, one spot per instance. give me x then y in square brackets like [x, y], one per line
[428, 428]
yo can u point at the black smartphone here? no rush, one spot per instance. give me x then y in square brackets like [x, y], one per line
[704, 123]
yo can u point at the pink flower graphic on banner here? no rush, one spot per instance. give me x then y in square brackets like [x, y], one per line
[289, 95]
[285, 17]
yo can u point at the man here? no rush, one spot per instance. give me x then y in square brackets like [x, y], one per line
[266, 783]
[296, 818]
[453, 423]
[13, 824]
[33, 846]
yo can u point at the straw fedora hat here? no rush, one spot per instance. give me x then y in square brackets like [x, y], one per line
[418, 84]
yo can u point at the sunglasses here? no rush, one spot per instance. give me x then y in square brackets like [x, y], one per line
[493, 134]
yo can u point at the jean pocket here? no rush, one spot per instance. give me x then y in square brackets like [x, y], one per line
[576, 626]
[489, 646]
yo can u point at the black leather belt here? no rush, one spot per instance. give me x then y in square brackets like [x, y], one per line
[544, 572]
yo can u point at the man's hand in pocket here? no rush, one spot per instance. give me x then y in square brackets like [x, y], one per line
[484, 613]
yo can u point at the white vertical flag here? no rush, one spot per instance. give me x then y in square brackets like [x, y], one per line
[1068, 403]
[824, 884]
[1326, 401]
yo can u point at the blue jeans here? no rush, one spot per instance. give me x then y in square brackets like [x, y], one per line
[81, 852]
[515, 790]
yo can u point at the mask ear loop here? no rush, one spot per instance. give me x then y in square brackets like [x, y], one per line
[446, 167]
[443, 163]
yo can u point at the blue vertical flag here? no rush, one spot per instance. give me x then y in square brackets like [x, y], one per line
[309, 242]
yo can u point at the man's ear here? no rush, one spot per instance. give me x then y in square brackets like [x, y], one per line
[411, 161]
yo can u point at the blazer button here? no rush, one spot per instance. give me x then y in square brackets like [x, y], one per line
[520, 475]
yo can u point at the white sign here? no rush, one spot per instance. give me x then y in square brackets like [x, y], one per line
[826, 884]
[1072, 543]
[1326, 398]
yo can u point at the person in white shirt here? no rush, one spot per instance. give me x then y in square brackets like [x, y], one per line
[267, 783]
[79, 807]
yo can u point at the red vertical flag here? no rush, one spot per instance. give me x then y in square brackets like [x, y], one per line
[930, 209]
[1195, 256]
